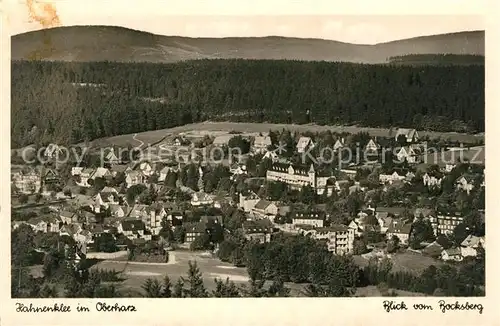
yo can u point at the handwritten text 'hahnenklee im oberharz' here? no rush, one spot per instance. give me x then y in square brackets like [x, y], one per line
[100, 306]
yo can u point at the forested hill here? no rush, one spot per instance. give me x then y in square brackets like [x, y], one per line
[109, 43]
[69, 102]
[438, 59]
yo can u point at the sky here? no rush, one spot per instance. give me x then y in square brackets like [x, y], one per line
[368, 24]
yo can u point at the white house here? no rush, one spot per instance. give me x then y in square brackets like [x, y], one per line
[101, 172]
[264, 207]
[411, 135]
[391, 178]
[164, 172]
[399, 229]
[238, 169]
[53, 151]
[432, 181]
[452, 254]
[84, 177]
[107, 196]
[315, 219]
[304, 144]
[261, 143]
[247, 203]
[339, 144]
[132, 228]
[145, 168]
[449, 167]
[76, 170]
[134, 178]
[372, 146]
[406, 153]
[201, 199]
[271, 155]
[470, 245]
[465, 183]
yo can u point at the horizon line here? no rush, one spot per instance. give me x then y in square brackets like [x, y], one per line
[242, 37]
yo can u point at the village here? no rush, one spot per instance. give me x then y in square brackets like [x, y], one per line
[384, 206]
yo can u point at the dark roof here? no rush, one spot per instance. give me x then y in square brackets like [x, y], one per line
[310, 215]
[333, 228]
[211, 219]
[198, 227]
[399, 227]
[453, 251]
[133, 225]
[390, 210]
[259, 226]
[262, 204]
[283, 167]
[119, 168]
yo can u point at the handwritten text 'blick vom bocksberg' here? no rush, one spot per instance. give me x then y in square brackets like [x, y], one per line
[442, 305]
[100, 306]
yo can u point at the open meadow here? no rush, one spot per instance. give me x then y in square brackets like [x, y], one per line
[220, 128]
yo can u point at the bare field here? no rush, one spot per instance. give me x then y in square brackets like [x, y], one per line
[220, 128]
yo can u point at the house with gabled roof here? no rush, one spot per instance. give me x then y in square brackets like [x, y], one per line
[84, 177]
[107, 196]
[261, 143]
[26, 180]
[111, 156]
[401, 230]
[145, 167]
[119, 168]
[339, 144]
[411, 135]
[470, 246]
[50, 176]
[372, 147]
[465, 183]
[101, 172]
[118, 210]
[271, 155]
[201, 199]
[391, 178]
[133, 178]
[432, 179]
[407, 153]
[339, 238]
[132, 228]
[194, 230]
[76, 170]
[165, 171]
[452, 254]
[68, 217]
[53, 151]
[247, 203]
[313, 218]
[265, 208]
[259, 230]
[304, 144]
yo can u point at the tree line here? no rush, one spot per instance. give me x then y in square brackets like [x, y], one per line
[68, 102]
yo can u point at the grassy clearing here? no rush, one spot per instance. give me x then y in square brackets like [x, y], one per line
[218, 128]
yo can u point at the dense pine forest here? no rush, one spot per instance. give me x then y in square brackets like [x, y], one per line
[438, 59]
[68, 102]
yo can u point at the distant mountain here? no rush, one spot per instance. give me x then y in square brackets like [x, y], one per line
[109, 43]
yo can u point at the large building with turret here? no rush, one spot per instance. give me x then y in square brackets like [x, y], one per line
[299, 176]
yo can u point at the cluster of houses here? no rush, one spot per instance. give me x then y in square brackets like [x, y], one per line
[85, 217]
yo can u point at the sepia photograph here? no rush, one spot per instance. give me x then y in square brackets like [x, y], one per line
[168, 156]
